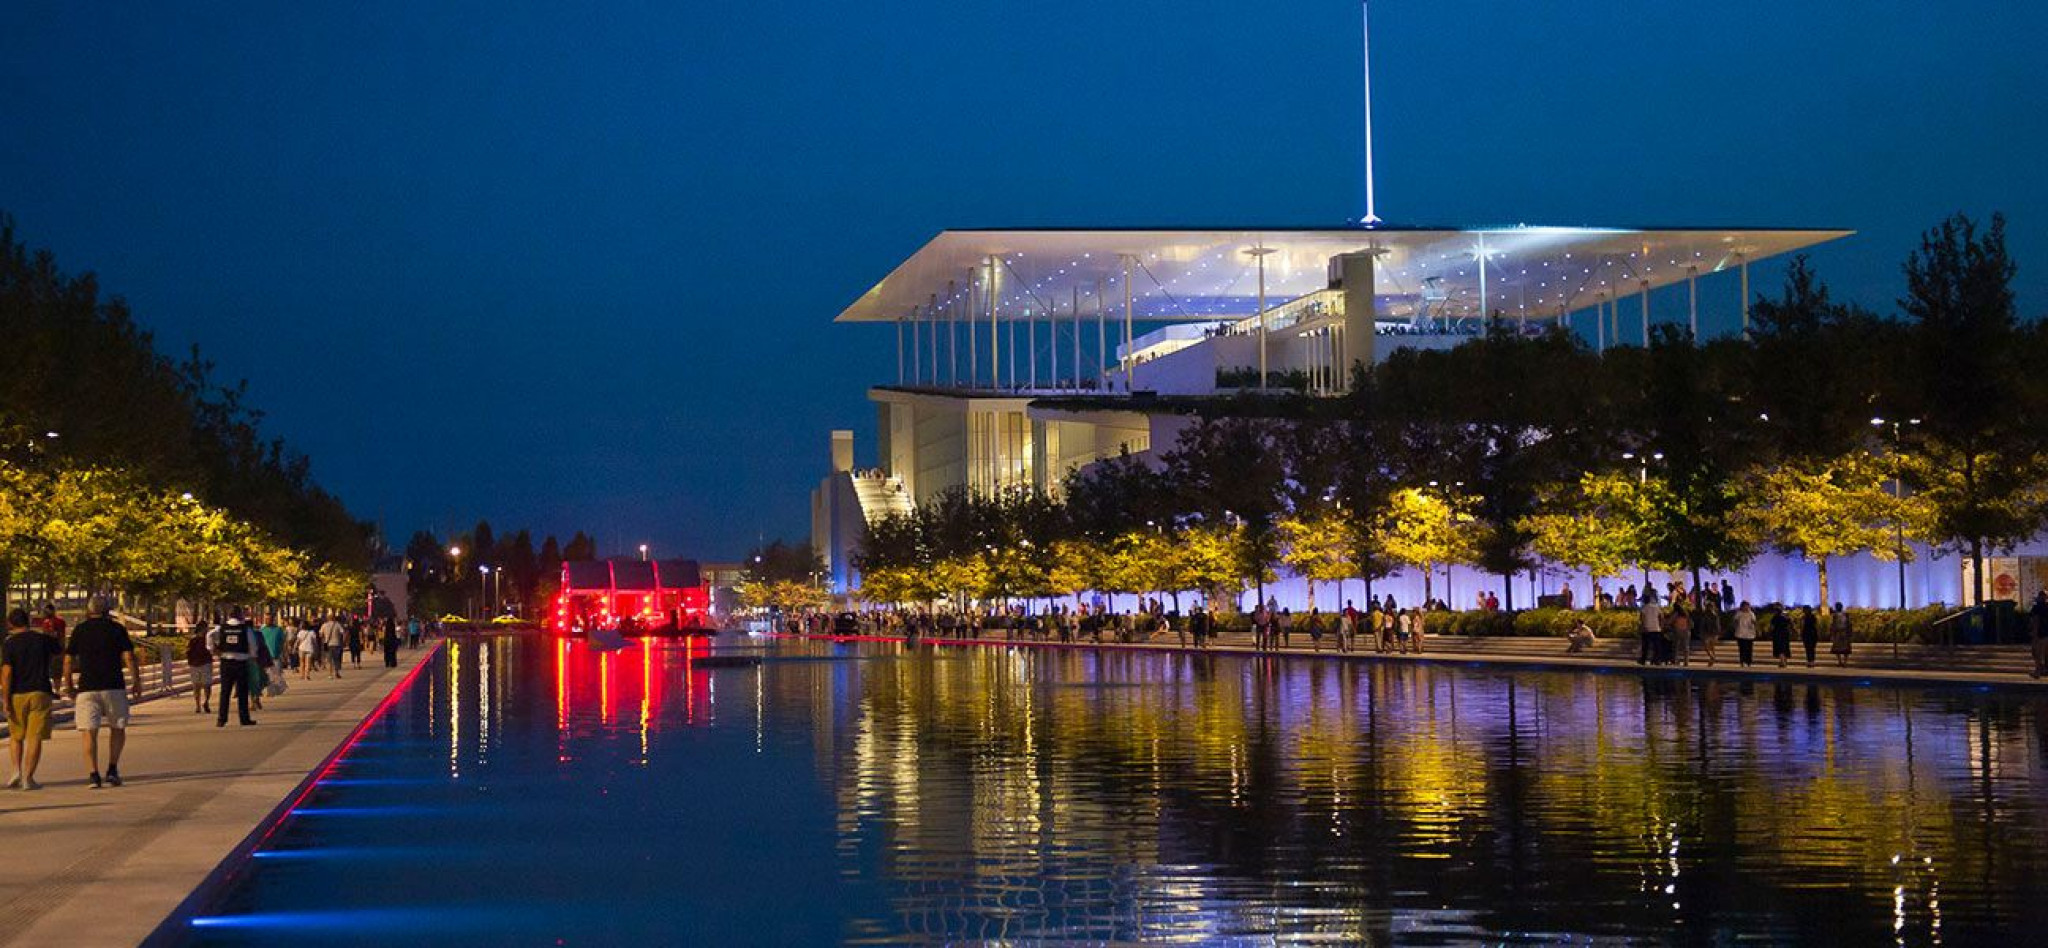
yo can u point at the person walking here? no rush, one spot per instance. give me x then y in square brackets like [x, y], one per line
[1680, 630]
[199, 658]
[355, 644]
[390, 642]
[1745, 636]
[1649, 626]
[308, 642]
[1841, 637]
[333, 640]
[95, 654]
[1781, 635]
[270, 659]
[26, 693]
[236, 648]
[1809, 632]
[412, 632]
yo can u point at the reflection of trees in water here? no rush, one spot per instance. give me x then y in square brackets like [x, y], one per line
[1076, 794]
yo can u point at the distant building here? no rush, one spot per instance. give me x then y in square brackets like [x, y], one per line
[1025, 354]
[842, 506]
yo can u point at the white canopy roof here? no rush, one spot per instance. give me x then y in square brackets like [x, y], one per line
[1198, 274]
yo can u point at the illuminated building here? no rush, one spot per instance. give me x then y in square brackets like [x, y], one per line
[650, 592]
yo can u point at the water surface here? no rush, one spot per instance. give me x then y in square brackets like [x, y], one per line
[534, 793]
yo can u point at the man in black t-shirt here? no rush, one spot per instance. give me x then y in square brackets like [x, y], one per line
[99, 695]
[25, 692]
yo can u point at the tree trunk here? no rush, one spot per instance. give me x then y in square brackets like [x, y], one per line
[1428, 577]
[1822, 569]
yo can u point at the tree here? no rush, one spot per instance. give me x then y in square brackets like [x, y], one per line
[1974, 456]
[1230, 472]
[1593, 524]
[1425, 529]
[1316, 544]
[1695, 435]
[1829, 509]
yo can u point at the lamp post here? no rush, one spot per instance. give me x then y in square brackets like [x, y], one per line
[483, 589]
[643, 552]
[1898, 495]
[1643, 477]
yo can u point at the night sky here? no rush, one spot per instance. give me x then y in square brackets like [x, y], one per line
[574, 269]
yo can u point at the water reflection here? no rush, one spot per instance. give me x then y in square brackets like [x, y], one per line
[1068, 794]
[872, 794]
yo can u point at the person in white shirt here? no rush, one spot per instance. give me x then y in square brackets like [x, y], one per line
[308, 643]
[1652, 627]
[1745, 636]
[334, 639]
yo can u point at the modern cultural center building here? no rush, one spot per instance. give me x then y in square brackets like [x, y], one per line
[1025, 354]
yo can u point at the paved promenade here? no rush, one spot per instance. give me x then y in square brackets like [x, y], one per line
[1992, 665]
[97, 868]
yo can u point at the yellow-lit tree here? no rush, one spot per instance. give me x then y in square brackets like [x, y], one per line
[1829, 508]
[1078, 565]
[1317, 546]
[1212, 560]
[1425, 529]
[1594, 524]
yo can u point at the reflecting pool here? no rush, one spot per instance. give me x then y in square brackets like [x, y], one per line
[752, 791]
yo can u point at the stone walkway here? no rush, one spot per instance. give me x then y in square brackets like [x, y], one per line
[1999, 665]
[103, 867]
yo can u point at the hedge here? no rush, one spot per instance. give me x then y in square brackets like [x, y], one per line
[1869, 625]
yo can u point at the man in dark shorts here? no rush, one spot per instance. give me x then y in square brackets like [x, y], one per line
[99, 693]
[26, 693]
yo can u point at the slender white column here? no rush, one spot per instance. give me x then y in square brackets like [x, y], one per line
[1600, 325]
[1745, 295]
[1052, 343]
[916, 348]
[931, 315]
[1692, 303]
[1125, 359]
[1259, 253]
[1031, 347]
[1646, 313]
[995, 339]
[952, 334]
[1485, 311]
[973, 345]
[1074, 309]
[1101, 331]
[899, 350]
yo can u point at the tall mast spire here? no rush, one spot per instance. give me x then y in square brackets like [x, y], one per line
[1365, 36]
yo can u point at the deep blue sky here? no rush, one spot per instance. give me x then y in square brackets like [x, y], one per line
[573, 265]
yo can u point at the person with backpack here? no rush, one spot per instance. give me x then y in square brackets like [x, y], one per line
[199, 657]
[236, 648]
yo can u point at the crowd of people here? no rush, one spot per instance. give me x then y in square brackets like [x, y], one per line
[1382, 626]
[234, 660]
[1679, 626]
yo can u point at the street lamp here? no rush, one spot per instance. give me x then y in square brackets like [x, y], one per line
[1898, 495]
[483, 588]
[643, 552]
